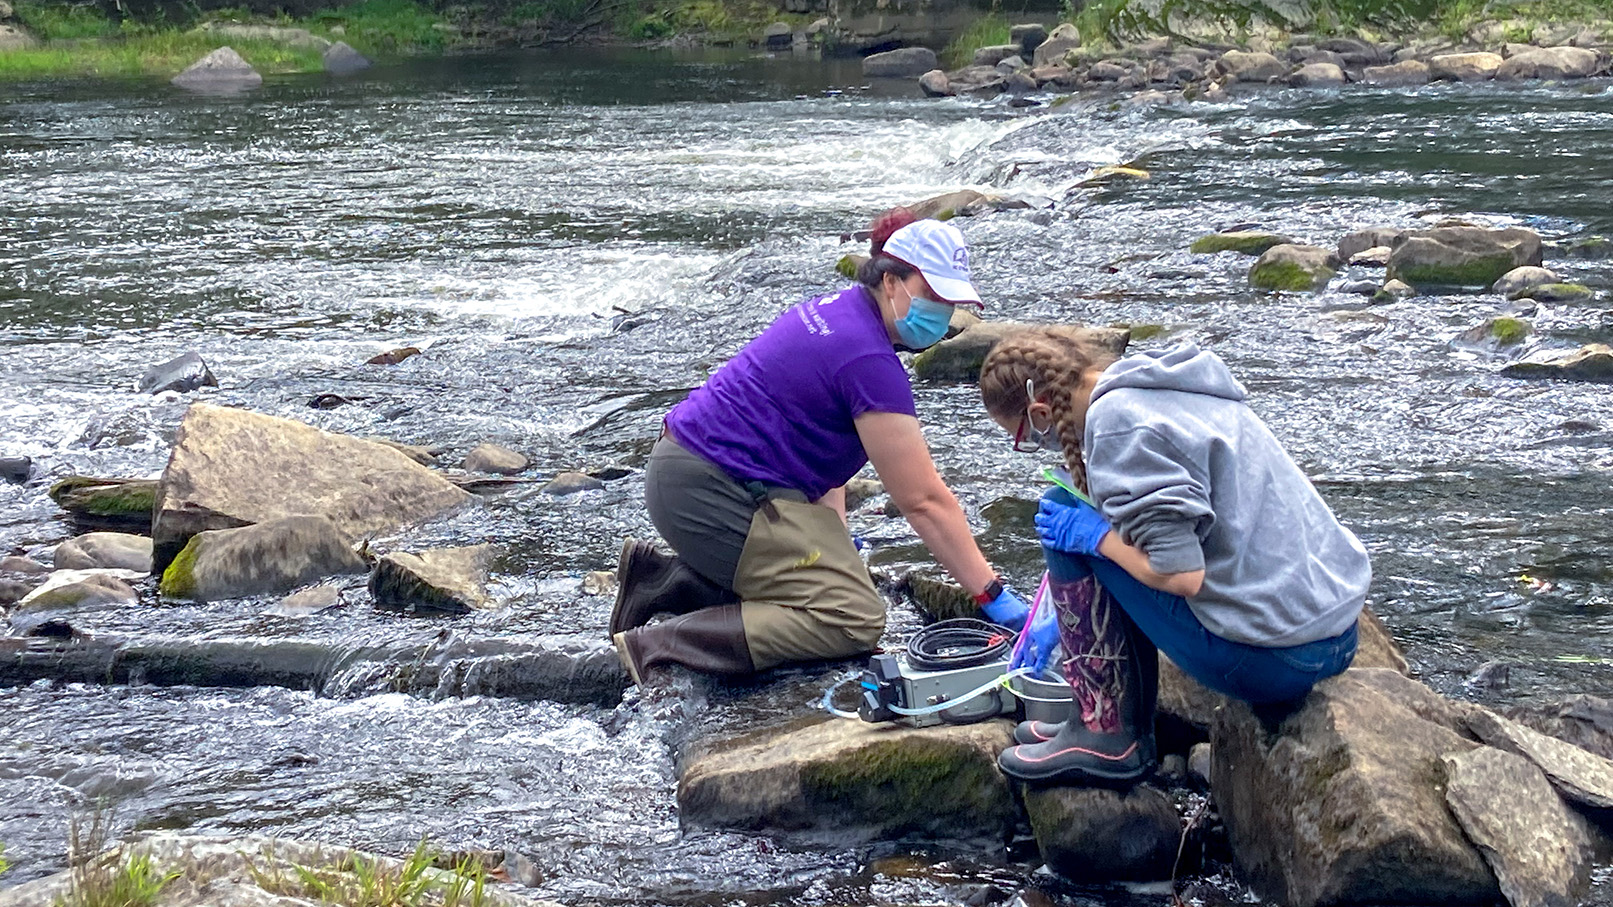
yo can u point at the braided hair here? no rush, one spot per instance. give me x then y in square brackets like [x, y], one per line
[1053, 360]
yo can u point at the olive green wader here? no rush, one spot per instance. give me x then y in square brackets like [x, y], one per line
[803, 592]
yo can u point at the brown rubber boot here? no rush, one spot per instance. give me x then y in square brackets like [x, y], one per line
[650, 583]
[1114, 678]
[711, 640]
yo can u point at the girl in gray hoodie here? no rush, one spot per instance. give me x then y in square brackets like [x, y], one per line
[1201, 537]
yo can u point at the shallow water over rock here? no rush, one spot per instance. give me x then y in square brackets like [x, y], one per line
[573, 242]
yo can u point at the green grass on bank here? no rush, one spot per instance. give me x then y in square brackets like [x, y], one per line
[984, 32]
[78, 40]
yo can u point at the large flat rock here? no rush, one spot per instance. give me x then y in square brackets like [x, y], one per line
[1582, 776]
[1343, 801]
[1538, 848]
[231, 467]
[851, 780]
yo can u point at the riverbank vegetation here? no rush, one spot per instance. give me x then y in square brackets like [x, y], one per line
[158, 38]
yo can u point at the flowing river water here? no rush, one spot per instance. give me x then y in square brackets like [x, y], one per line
[502, 212]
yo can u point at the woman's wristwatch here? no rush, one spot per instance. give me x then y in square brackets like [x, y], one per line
[989, 594]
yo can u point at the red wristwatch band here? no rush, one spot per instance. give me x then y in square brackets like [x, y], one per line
[989, 594]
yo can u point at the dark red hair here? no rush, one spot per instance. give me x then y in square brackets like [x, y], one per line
[871, 272]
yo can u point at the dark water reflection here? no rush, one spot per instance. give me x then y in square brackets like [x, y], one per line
[500, 211]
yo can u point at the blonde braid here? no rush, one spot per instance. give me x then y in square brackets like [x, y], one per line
[1053, 359]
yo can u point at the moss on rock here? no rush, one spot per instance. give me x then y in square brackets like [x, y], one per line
[1479, 271]
[899, 783]
[1282, 275]
[179, 580]
[1242, 242]
[111, 498]
[1508, 331]
[1556, 292]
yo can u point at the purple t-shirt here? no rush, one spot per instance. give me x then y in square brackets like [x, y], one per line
[781, 411]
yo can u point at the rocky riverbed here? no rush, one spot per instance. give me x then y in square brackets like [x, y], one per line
[432, 664]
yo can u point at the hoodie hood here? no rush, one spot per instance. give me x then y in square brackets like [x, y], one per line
[1183, 367]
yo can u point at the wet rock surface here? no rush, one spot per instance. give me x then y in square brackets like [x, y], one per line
[274, 556]
[852, 779]
[440, 581]
[960, 358]
[1592, 362]
[184, 373]
[105, 549]
[1096, 835]
[225, 467]
[1293, 268]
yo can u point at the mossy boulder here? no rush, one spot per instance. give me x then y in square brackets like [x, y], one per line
[851, 780]
[1501, 331]
[1342, 801]
[1461, 256]
[107, 503]
[848, 264]
[1555, 292]
[1244, 242]
[936, 596]
[1293, 268]
[439, 581]
[1592, 362]
[959, 358]
[1520, 280]
[272, 557]
[1094, 835]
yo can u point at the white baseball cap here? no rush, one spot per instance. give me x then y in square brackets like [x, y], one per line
[939, 252]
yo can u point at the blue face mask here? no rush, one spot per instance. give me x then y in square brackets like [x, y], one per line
[925, 323]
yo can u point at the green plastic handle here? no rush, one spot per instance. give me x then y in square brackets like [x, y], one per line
[1061, 477]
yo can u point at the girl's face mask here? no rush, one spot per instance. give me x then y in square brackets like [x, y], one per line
[925, 323]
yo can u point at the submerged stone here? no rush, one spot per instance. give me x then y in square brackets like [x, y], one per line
[491, 458]
[1592, 362]
[441, 581]
[183, 374]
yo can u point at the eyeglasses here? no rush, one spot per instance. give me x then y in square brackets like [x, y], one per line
[1027, 438]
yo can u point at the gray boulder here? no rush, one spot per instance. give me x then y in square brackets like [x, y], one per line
[1252, 66]
[231, 467]
[902, 63]
[13, 37]
[1028, 36]
[1519, 280]
[442, 580]
[1466, 67]
[1058, 45]
[342, 60]
[223, 70]
[271, 557]
[1578, 774]
[1343, 801]
[1538, 848]
[494, 459]
[993, 54]
[12, 563]
[1108, 71]
[1406, 72]
[184, 373]
[1375, 257]
[1313, 74]
[1355, 243]
[571, 483]
[935, 84]
[1094, 835]
[851, 780]
[1462, 256]
[960, 358]
[1293, 268]
[1551, 63]
[16, 470]
[78, 588]
[94, 550]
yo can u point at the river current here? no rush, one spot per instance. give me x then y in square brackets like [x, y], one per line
[575, 240]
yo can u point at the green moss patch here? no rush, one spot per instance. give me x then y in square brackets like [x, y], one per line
[179, 580]
[110, 498]
[913, 783]
[1243, 242]
[1509, 331]
[1479, 271]
[1284, 276]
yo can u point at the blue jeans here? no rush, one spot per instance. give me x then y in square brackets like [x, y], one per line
[1255, 674]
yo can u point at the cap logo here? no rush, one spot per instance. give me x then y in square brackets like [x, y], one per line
[960, 260]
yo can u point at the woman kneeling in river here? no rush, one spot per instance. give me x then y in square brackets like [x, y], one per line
[747, 480]
[1211, 541]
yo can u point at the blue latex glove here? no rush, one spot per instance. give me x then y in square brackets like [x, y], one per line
[1007, 609]
[1040, 639]
[1075, 529]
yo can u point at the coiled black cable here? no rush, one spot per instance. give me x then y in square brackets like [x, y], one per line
[962, 642]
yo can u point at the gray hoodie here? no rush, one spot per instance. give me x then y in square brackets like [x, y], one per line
[1184, 470]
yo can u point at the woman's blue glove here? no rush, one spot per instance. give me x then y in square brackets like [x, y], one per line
[1007, 609]
[1075, 529]
[1040, 638]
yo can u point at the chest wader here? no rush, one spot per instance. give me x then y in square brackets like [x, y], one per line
[1113, 671]
[804, 595]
